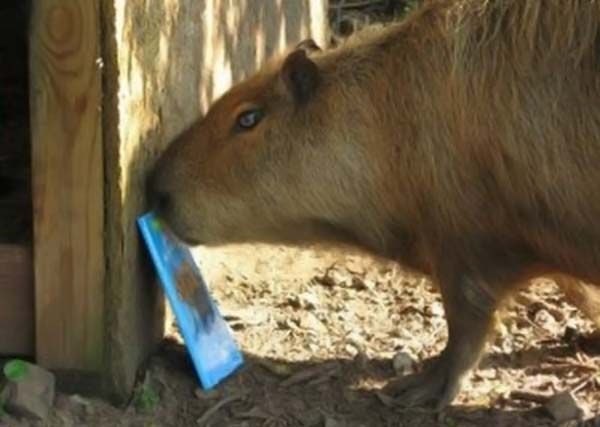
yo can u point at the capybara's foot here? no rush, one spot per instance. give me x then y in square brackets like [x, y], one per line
[436, 385]
[470, 305]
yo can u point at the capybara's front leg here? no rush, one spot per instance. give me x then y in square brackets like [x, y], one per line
[470, 305]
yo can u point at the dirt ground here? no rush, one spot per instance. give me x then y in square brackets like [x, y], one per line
[320, 330]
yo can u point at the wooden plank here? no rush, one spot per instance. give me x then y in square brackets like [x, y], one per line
[67, 167]
[16, 301]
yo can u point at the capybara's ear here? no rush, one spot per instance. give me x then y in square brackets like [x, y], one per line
[300, 75]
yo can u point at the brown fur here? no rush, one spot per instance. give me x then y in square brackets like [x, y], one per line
[463, 142]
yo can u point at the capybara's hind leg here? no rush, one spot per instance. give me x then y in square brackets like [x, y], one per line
[584, 296]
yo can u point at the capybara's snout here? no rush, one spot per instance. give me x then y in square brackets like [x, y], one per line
[161, 197]
[158, 197]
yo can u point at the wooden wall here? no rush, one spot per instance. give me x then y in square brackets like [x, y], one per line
[112, 83]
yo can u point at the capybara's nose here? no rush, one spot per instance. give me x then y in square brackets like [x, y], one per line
[163, 202]
[158, 199]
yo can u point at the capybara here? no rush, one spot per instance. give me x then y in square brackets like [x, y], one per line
[463, 142]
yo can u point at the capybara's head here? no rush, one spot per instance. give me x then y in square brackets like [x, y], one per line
[266, 163]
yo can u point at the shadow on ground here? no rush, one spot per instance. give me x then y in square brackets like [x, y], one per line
[269, 392]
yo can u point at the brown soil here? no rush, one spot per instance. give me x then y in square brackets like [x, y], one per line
[320, 330]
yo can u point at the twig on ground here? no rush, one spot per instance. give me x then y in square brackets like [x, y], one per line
[530, 396]
[212, 410]
[558, 368]
[310, 373]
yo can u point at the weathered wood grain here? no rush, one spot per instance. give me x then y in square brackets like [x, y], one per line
[67, 167]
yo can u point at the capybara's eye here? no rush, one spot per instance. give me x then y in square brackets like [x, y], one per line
[248, 119]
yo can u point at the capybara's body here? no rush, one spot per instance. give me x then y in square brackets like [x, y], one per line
[463, 142]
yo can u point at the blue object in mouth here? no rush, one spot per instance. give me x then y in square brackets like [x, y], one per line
[208, 339]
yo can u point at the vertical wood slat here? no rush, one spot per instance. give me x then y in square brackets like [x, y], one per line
[67, 165]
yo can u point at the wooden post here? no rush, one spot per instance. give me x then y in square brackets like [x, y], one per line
[67, 164]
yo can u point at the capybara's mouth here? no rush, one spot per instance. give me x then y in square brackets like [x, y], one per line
[175, 231]
[189, 241]
[185, 238]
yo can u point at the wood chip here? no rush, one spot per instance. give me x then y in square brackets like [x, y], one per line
[254, 413]
[207, 394]
[277, 368]
[547, 368]
[388, 401]
[326, 279]
[530, 396]
[308, 374]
